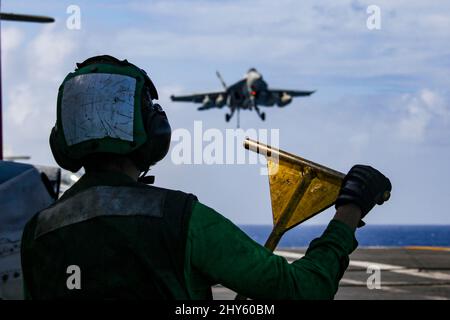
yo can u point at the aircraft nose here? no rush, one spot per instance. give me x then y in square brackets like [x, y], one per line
[257, 84]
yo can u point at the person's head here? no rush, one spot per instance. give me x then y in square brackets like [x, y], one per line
[106, 119]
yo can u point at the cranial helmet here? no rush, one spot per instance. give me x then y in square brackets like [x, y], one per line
[105, 106]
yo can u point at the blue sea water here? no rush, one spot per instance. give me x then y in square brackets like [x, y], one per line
[383, 236]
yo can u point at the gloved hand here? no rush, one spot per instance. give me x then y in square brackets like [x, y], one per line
[364, 186]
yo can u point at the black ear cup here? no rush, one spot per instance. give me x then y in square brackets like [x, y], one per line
[61, 158]
[157, 145]
[159, 133]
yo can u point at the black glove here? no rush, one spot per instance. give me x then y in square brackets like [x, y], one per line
[364, 186]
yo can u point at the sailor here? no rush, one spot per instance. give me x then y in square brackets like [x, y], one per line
[112, 236]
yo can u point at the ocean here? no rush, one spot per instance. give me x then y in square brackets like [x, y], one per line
[368, 236]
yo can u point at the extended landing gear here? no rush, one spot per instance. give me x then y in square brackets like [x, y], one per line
[261, 115]
[229, 116]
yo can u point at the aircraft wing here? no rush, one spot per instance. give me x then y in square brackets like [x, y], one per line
[293, 93]
[198, 97]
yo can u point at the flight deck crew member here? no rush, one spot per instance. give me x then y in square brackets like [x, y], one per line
[135, 241]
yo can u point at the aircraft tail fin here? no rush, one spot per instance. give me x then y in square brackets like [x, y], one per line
[221, 80]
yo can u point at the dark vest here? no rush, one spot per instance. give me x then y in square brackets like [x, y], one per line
[128, 242]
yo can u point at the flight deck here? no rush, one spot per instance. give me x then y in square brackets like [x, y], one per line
[406, 273]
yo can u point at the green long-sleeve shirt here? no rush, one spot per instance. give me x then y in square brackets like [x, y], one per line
[217, 251]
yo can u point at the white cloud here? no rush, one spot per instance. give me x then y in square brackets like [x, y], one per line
[420, 111]
[48, 52]
[21, 105]
[11, 39]
[31, 86]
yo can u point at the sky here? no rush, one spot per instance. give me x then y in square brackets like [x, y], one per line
[382, 95]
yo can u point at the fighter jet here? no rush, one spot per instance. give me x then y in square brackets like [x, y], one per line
[249, 93]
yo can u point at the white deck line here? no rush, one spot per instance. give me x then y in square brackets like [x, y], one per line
[381, 266]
